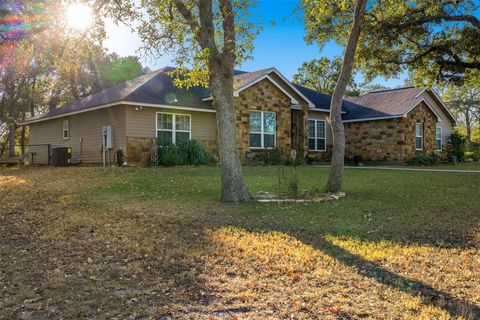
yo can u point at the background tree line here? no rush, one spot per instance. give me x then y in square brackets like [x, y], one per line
[49, 66]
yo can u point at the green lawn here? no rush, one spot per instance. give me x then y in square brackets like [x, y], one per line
[148, 242]
[458, 166]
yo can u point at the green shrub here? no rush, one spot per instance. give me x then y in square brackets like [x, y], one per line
[424, 160]
[271, 156]
[193, 153]
[457, 143]
[184, 153]
[172, 157]
[476, 156]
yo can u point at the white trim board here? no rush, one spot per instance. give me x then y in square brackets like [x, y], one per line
[435, 94]
[373, 119]
[311, 105]
[428, 105]
[248, 85]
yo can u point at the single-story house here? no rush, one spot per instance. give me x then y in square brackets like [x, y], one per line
[271, 112]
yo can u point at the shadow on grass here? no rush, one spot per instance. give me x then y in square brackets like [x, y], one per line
[428, 294]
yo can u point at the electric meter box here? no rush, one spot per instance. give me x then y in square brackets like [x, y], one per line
[108, 136]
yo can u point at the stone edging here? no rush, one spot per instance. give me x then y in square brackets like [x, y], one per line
[266, 197]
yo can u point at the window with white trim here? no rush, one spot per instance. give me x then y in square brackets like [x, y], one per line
[419, 136]
[263, 128]
[438, 139]
[173, 128]
[66, 130]
[317, 133]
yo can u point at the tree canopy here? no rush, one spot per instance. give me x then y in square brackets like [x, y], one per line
[322, 75]
[319, 74]
[464, 102]
[438, 39]
[45, 64]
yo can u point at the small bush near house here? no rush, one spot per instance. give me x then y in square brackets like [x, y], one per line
[472, 156]
[271, 156]
[457, 144]
[185, 153]
[193, 153]
[476, 156]
[424, 160]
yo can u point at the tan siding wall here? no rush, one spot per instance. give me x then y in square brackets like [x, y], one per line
[141, 130]
[446, 123]
[86, 126]
[142, 123]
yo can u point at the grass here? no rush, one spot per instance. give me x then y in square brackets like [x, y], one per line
[138, 242]
[459, 166]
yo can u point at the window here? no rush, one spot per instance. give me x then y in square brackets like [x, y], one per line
[438, 139]
[317, 135]
[66, 131]
[419, 136]
[263, 129]
[173, 128]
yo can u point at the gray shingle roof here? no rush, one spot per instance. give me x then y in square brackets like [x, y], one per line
[154, 87]
[242, 79]
[384, 103]
[157, 88]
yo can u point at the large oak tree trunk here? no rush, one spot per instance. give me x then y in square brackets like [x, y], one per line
[233, 187]
[334, 183]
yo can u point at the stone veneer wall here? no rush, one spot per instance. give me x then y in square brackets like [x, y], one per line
[138, 149]
[263, 96]
[392, 139]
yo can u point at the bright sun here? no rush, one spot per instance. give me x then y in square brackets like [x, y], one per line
[79, 16]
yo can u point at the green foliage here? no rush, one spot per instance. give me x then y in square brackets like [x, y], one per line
[170, 156]
[457, 145]
[193, 153]
[288, 181]
[114, 69]
[424, 160]
[472, 156]
[319, 74]
[430, 37]
[185, 153]
[271, 156]
[166, 30]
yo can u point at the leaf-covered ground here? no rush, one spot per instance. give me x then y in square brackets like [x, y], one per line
[144, 243]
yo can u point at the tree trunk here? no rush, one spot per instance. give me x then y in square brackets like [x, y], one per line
[22, 141]
[11, 138]
[4, 146]
[468, 124]
[334, 183]
[233, 187]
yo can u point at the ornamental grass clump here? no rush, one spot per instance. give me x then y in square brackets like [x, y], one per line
[186, 153]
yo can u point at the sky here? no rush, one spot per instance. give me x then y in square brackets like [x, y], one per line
[280, 45]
